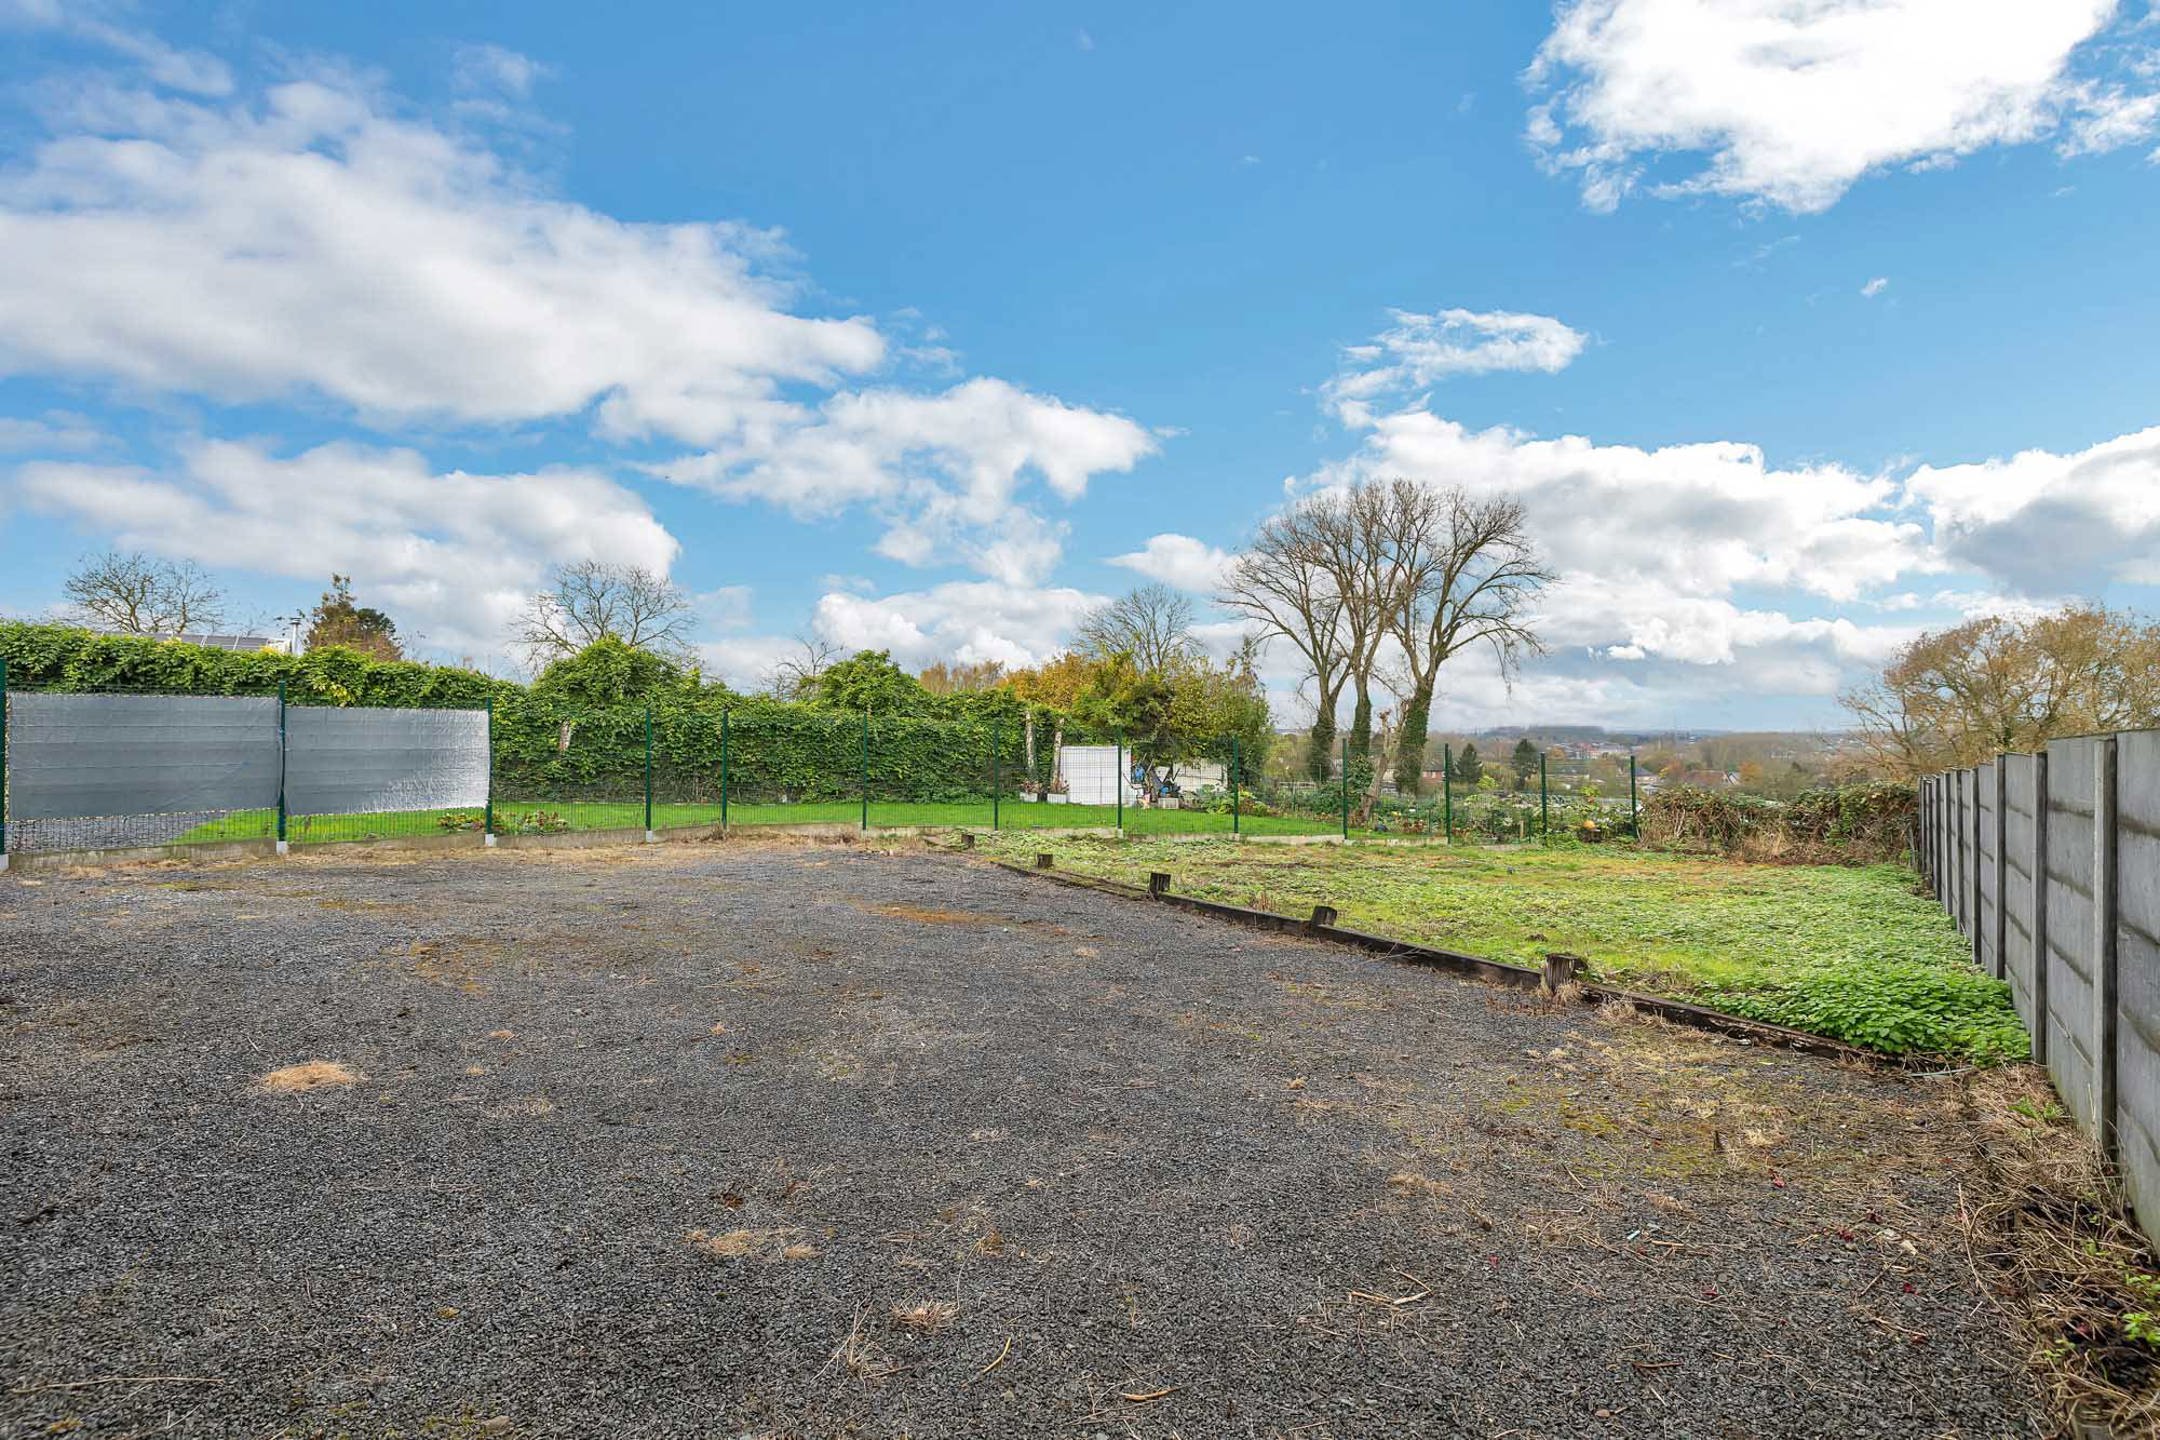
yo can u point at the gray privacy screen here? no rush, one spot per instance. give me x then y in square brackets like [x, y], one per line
[356, 762]
[74, 756]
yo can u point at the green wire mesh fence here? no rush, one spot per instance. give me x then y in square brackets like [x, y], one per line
[102, 770]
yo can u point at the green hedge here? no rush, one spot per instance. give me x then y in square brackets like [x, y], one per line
[63, 657]
[551, 744]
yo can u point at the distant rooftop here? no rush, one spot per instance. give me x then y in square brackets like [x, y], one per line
[279, 643]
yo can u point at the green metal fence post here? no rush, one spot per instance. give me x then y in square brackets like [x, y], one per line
[281, 767]
[648, 770]
[723, 769]
[1634, 807]
[1121, 787]
[487, 823]
[1234, 803]
[3, 764]
[866, 771]
[1447, 789]
[1346, 788]
[1544, 800]
[995, 735]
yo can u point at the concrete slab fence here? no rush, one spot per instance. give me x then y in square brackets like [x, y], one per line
[2050, 864]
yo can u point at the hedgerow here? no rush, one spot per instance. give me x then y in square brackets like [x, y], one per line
[579, 730]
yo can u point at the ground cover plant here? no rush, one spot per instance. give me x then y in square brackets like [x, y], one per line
[1851, 952]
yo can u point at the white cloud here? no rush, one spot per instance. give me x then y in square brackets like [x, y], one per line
[1423, 349]
[189, 70]
[58, 431]
[1178, 560]
[970, 621]
[946, 471]
[451, 556]
[1875, 287]
[314, 245]
[967, 621]
[491, 69]
[2046, 524]
[1792, 103]
[725, 608]
[1698, 519]
[1698, 573]
[1687, 572]
[324, 244]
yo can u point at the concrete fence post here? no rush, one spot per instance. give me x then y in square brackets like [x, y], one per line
[1961, 830]
[2002, 866]
[2106, 1009]
[1973, 862]
[1946, 818]
[1927, 832]
[2040, 909]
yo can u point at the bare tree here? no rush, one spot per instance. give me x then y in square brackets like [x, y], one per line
[1282, 583]
[795, 676]
[137, 595]
[592, 600]
[1152, 624]
[1378, 537]
[1474, 572]
[1331, 574]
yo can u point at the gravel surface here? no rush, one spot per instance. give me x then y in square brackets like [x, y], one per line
[107, 833]
[748, 1139]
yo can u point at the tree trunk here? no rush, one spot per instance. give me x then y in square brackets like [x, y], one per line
[1410, 745]
[1320, 743]
[1028, 729]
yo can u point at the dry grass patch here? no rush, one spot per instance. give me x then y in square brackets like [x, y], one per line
[1412, 1182]
[766, 1245]
[923, 915]
[2065, 1258]
[309, 1075]
[925, 1316]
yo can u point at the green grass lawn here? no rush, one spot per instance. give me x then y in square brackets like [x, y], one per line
[1853, 953]
[511, 816]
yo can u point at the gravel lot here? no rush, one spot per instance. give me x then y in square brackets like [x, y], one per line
[750, 1139]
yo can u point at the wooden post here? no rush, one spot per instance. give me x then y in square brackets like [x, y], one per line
[1158, 882]
[1561, 969]
[1323, 915]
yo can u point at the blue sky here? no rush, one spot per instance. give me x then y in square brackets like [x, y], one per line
[1799, 329]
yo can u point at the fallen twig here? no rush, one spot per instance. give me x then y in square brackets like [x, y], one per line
[116, 1380]
[997, 1362]
[1148, 1397]
[1393, 1301]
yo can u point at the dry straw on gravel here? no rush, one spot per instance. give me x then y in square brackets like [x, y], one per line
[309, 1075]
